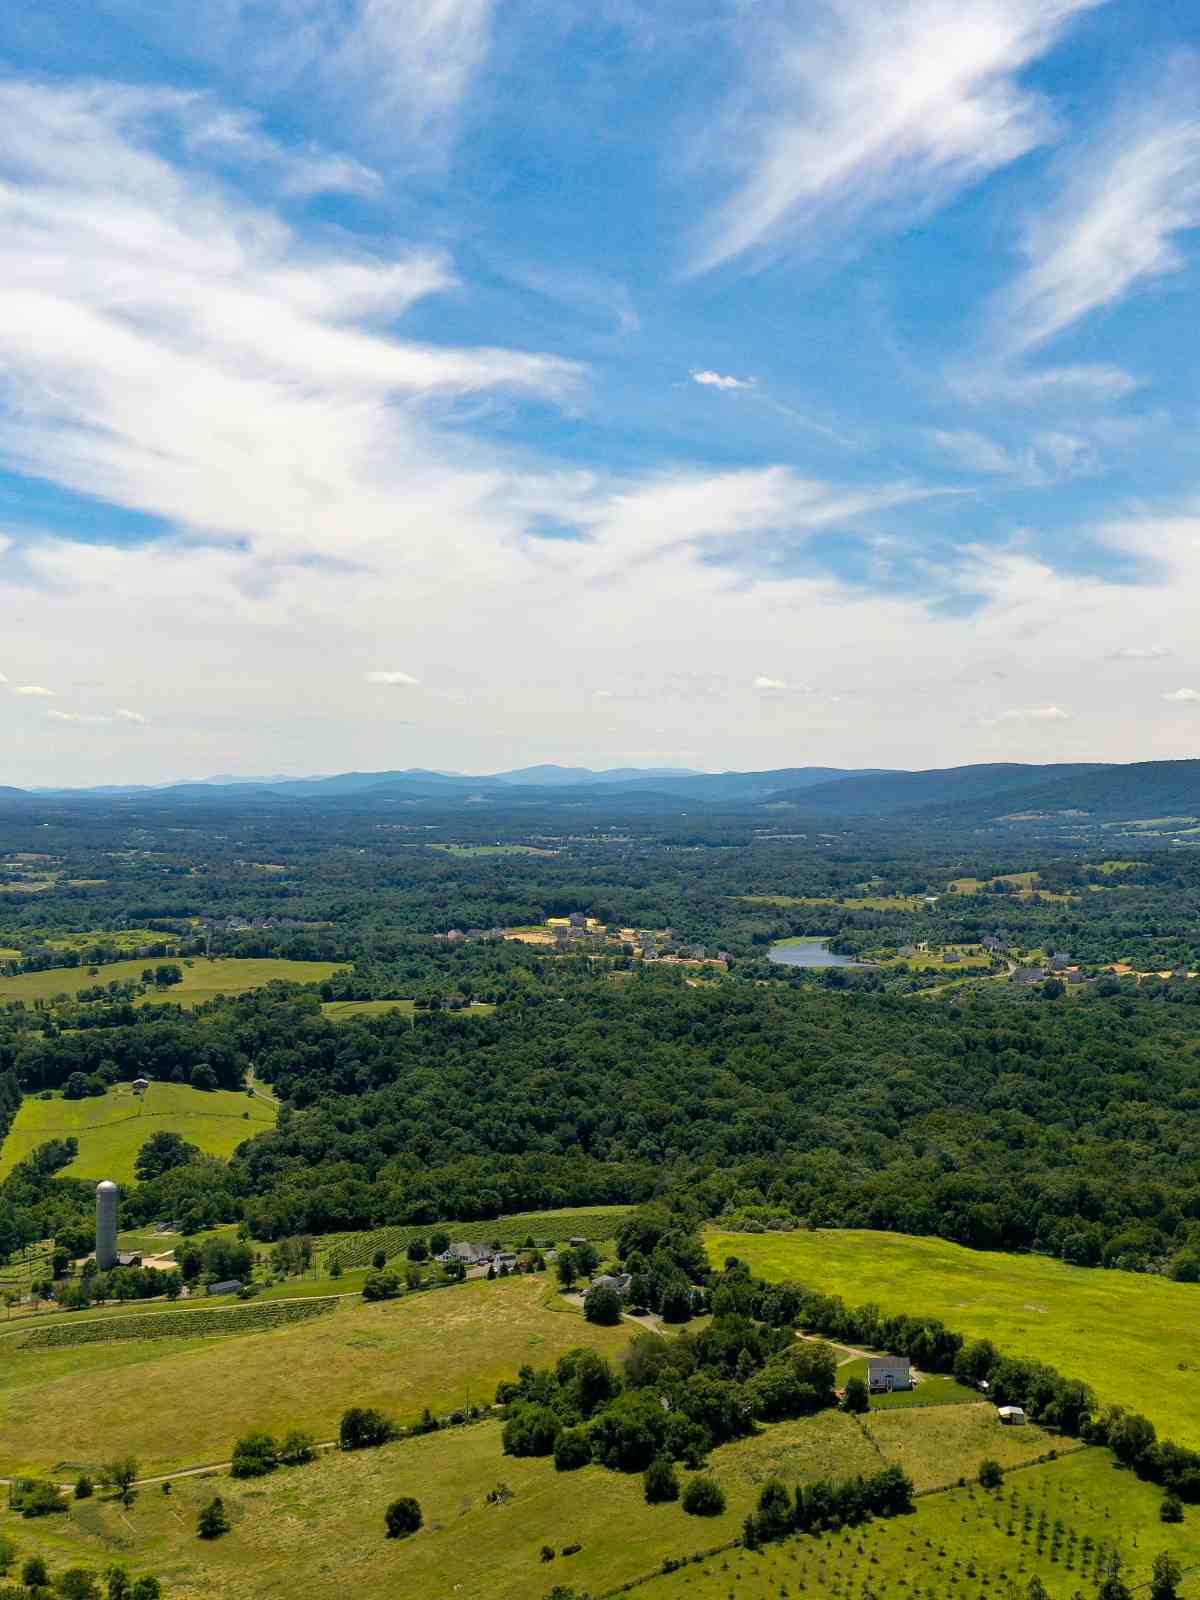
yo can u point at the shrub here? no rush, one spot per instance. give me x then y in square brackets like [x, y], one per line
[547, 1552]
[254, 1455]
[35, 1574]
[363, 1426]
[403, 1517]
[1171, 1509]
[213, 1521]
[857, 1396]
[704, 1497]
[380, 1286]
[572, 1449]
[84, 1487]
[297, 1448]
[991, 1474]
[660, 1481]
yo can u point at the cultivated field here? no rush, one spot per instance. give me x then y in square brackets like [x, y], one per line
[113, 1127]
[1131, 1337]
[306, 1530]
[176, 1402]
[967, 1544]
[202, 979]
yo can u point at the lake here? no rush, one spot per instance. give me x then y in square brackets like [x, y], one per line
[809, 953]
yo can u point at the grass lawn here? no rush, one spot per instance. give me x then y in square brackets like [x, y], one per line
[302, 1531]
[937, 1389]
[1132, 1337]
[967, 1544]
[350, 1010]
[175, 1402]
[468, 850]
[112, 1128]
[937, 1445]
[202, 979]
[597, 1224]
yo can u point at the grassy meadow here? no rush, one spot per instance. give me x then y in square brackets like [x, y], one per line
[202, 979]
[175, 1402]
[1131, 1337]
[113, 1127]
[301, 1531]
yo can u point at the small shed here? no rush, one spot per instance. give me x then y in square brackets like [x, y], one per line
[886, 1373]
[129, 1258]
[140, 1085]
[1011, 1416]
[229, 1286]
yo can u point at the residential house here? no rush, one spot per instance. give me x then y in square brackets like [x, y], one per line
[886, 1373]
[620, 1281]
[1026, 976]
[469, 1254]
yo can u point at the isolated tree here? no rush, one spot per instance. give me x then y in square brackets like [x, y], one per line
[403, 1517]
[117, 1584]
[379, 1260]
[417, 1250]
[602, 1304]
[77, 1583]
[121, 1474]
[84, 1487]
[566, 1268]
[1113, 1585]
[857, 1396]
[298, 1447]
[587, 1259]
[1165, 1576]
[991, 1474]
[254, 1455]
[146, 1588]
[363, 1426]
[213, 1520]
[35, 1574]
[439, 1243]
[1171, 1509]
[659, 1481]
[704, 1497]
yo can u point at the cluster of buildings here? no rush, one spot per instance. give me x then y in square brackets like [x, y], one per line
[579, 933]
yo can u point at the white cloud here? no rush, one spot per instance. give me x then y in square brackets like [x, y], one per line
[1183, 697]
[763, 682]
[718, 380]
[76, 716]
[1125, 194]
[1150, 652]
[602, 694]
[125, 715]
[396, 679]
[855, 110]
[33, 689]
[972, 450]
[1035, 714]
[1091, 384]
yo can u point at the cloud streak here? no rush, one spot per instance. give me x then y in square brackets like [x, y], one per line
[875, 111]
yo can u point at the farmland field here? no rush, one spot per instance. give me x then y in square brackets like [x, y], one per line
[1128, 1335]
[175, 1401]
[596, 1223]
[349, 1010]
[113, 1127]
[302, 1529]
[967, 1543]
[202, 979]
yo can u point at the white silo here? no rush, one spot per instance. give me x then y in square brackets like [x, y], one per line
[106, 1225]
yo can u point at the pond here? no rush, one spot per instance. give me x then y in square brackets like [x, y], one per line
[808, 953]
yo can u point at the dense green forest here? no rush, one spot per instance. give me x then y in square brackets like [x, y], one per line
[876, 1097]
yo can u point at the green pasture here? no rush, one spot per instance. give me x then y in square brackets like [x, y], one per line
[175, 1402]
[113, 1127]
[1131, 1336]
[594, 1223]
[202, 979]
[303, 1530]
[350, 1010]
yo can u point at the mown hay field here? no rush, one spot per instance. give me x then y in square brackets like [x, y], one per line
[202, 979]
[178, 1402]
[112, 1128]
[1129, 1335]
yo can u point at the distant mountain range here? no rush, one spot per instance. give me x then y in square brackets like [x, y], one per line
[975, 794]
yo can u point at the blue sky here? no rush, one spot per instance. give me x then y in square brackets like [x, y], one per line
[721, 383]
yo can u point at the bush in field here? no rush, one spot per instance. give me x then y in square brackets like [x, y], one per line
[991, 1474]
[297, 1448]
[403, 1517]
[857, 1396]
[254, 1455]
[363, 1426]
[380, 1286]
[704, 1497]
[659, 1481]
[213, 1520]
[572, 1449]
[602, 1304]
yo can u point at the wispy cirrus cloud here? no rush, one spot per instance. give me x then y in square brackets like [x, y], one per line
[1134, 652]
[35, 690]
[395, 680]
[875, 109]
[1183, 697]
[1124, 196]
[1034, 714]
